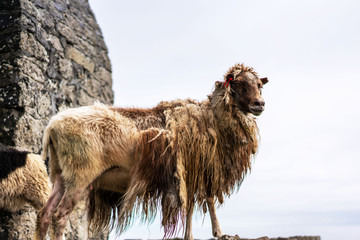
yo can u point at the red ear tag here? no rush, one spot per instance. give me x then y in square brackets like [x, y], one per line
[227, 82]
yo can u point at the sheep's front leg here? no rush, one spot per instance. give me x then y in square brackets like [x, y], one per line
[216, 230]
[44, 215]
[188, 230]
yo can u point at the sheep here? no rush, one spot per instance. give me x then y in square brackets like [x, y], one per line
[182, 153]
[23, 179]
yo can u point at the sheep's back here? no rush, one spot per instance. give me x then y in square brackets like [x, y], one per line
[92, 137]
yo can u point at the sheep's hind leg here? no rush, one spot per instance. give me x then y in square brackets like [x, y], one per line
[44, 215]
[216, 230]
[188, 228]
[60, 217]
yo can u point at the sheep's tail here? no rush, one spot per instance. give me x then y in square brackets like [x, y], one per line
[46, 144]
[49, 155]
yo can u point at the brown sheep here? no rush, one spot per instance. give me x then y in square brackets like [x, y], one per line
[23, 179]
[181, 153]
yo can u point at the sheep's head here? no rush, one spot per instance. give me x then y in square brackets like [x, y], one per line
[245, 88]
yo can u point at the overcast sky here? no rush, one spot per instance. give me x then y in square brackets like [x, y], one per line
[306, 177]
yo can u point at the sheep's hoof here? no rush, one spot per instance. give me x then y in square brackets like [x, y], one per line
[218, 233]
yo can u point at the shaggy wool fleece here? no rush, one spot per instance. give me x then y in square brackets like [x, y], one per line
[23, 179]
[173, 155]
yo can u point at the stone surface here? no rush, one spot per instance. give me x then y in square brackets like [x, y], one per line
[236, 237]
[298, 238]
[52, 57]
[28, 217]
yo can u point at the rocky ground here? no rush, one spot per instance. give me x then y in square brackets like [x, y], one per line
[236, 237]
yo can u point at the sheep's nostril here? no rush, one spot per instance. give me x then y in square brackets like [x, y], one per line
[259, 103]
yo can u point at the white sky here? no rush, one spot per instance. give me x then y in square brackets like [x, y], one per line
[305, 179]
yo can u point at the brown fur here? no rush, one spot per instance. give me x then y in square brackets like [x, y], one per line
[152, 179]
[178, 154]
[217, 143]
[29, 183]
[144, 118]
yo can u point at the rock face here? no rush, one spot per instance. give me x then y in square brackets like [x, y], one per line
[298, 238]
[236, 237]
[52, 57]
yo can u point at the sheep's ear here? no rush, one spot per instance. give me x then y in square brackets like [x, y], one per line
[218, 84]
[264, 80]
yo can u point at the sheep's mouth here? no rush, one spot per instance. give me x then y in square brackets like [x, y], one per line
[256, 110]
